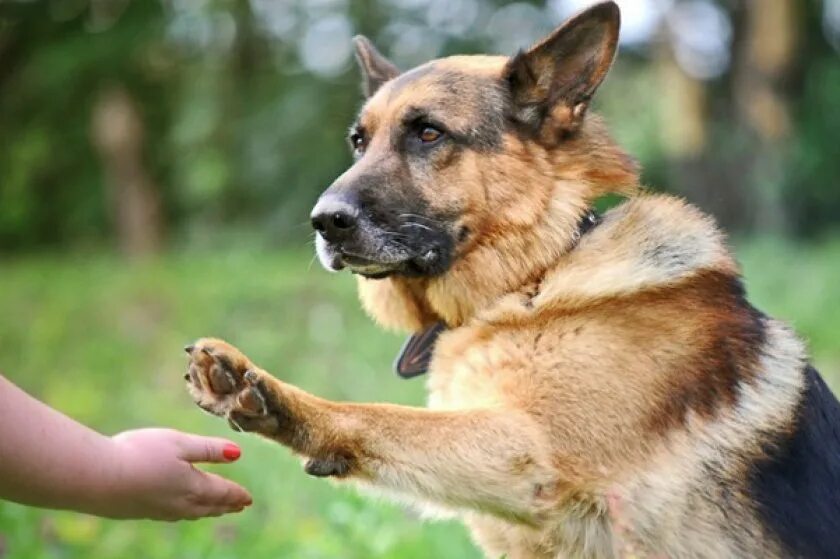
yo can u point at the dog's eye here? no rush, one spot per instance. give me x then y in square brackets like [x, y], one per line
[429, 134]
[357, 140]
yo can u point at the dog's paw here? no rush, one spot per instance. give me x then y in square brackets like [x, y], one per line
[224, 382]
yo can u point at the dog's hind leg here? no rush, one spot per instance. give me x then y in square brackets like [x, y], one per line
[489, 460]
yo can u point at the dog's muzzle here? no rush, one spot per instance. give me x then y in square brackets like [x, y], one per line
[348, 238]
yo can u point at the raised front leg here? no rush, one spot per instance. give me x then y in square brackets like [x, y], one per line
[224, 382]
[488, 460]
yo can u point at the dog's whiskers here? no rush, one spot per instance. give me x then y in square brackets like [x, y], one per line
[420, 225]
[408, 216]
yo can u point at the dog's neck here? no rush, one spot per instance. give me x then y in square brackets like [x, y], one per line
[507, 263]
[515, 261]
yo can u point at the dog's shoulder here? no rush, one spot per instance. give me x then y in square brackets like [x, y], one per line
[660, 234]
[649, 241]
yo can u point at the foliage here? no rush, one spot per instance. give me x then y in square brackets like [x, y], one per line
[243, 129]
[102, 341]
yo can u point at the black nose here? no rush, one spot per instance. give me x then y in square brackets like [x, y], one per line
[334, 219]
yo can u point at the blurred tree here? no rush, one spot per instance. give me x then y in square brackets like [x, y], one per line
[243, 106]
[134, 199]
[56, 59]
[761, 77]
[733, 141]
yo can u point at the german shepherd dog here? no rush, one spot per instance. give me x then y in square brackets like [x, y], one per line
[576, 365]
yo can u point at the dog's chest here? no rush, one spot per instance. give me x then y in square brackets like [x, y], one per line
[464, 372]
[454, 388]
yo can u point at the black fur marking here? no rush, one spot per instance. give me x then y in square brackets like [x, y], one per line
[403, 212]
[335, 466]
[518, 76]
[391, 209]
[797, 487]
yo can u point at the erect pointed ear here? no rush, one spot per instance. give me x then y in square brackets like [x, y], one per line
[376, 69]
[556, 78]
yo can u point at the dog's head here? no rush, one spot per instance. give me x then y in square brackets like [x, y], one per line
[461, 148]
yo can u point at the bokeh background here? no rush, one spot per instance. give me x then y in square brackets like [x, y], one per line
[158, 160]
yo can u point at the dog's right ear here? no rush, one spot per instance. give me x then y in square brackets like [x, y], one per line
[552, 82]
[376, 69]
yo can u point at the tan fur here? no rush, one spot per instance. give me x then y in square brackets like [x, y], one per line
[572, 370]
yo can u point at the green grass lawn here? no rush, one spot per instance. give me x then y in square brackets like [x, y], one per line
[101, 340]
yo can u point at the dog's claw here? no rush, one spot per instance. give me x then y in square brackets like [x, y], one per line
[234, 425]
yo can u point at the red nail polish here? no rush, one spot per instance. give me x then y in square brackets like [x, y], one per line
[231, 452]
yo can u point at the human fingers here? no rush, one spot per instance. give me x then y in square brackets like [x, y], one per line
[198, 448]
[214, 490]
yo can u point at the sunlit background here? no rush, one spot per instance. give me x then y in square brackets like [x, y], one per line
[158, 160]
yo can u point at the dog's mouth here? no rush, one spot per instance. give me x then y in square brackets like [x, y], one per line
[364, 266]
[377, 253]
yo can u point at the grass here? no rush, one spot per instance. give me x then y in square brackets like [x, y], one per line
[101, 340]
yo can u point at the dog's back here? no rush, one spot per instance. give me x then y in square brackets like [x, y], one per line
[796, 486]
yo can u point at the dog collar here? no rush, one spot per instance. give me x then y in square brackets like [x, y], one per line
[416, 353]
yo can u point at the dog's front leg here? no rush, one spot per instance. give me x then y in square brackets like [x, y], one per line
[486, 460]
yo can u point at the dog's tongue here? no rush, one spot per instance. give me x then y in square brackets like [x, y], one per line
[415, 355]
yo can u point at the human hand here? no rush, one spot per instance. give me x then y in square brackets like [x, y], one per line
[155, 477]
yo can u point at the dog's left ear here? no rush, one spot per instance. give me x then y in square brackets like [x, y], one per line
[555, 79]
[376, 69]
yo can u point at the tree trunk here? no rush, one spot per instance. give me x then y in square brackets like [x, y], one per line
[134, 200]
[764, 62]
[688, 142]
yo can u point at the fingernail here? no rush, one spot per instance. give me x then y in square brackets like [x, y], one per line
[231, 452]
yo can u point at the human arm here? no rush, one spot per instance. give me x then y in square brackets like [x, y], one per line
[49, 460]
